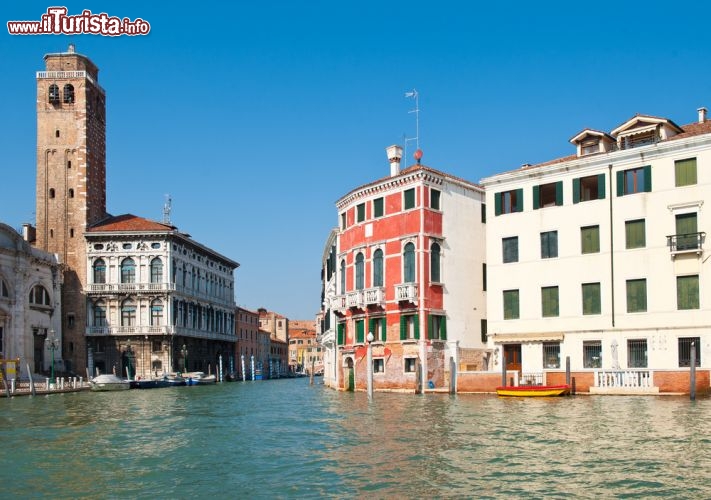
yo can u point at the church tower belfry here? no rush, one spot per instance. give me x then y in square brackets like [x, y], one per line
[71, 180]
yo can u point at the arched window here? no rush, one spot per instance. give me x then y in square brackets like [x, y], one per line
[128, 313]
[51, 192]
[71, 193]
[100, 313]
[409, 263]
[128, 271]
[435, 263]
[53, 95]
[378, 268]
[343, 277]
[156, 313]
[39, 296]
[156, 270]
[359, 271]
[69, 93]
[4, 291]
[99, 271]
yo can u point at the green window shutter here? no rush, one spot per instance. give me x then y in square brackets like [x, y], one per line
[519, 200]
[559, 193]
[360, 327]
[416, 319]
[371, 325]
[536, 197]
[443, 328]
[576, 190]
[430, 327]
[620, 183]
[497, 204]
[601, 186]
[340, 331]
[383, 329]
[403, 327]
[648, 179]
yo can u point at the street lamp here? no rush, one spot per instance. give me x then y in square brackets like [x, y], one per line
[52, 343]
[370, 339]
[184, 352]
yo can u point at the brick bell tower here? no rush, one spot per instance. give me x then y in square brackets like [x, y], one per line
[71, 181]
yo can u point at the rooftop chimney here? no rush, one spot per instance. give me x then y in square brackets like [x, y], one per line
[394, 156]
[702, 114]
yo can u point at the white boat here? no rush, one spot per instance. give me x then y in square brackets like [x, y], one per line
[109, 382]
[199, 378]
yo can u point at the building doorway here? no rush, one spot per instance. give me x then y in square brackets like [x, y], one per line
[350, 378]
[512, 355]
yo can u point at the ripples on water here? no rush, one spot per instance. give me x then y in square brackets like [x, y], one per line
[285, 439]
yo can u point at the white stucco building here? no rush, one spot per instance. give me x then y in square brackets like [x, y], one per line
[599, 256]
[30, 305]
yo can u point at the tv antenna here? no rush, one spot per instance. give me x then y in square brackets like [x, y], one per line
[166, 209]
[413, 94]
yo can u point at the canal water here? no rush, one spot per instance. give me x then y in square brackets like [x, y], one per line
[288, 439]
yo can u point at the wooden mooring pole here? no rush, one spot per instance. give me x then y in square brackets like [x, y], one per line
[692, 375]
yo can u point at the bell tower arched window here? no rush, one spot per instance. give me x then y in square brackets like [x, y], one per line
[69, 94]
[53, 94]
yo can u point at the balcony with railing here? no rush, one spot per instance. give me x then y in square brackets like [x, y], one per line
[103, 331]
[686, 243]
[338, 303]
[406, 292]
[374, 296]
[123, 288]
[355, 299]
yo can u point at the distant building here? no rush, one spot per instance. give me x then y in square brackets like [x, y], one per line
[410, 270]
[248, 340]
[276, 324]
[304, 351]
[30, 304]
[326, 318]
[599, 257]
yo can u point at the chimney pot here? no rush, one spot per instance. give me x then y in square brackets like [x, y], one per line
[394, 156]
[702, 114]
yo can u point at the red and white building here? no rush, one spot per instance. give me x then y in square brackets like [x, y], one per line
[409, 269]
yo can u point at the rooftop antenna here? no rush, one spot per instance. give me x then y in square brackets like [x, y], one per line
[166, 209]
[418, 152]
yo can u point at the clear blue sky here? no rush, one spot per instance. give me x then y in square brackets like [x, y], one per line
[257, 116]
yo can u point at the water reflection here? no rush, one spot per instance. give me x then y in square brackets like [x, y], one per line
[288, 439]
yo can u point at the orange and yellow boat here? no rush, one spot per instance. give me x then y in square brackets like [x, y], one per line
[533, 390]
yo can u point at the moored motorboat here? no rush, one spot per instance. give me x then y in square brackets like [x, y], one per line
[153, 383]
[109, 382]
[533, 390]
[173, 379]
[199, 378]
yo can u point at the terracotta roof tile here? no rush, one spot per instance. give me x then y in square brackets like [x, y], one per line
[129, 222]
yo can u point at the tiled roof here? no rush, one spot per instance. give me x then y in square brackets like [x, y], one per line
[689, 130]
[129, 222]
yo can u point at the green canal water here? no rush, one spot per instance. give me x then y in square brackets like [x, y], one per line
[287, 439]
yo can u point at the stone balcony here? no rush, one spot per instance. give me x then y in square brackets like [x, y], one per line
[124, 288]
[406, 292]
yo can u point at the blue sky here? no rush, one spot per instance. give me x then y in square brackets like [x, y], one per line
[257, 116]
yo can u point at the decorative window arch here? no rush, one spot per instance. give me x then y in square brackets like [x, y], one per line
[100, 313]
[378, 268]
[408, 263]
[128, 313]
[435, 261]
[359, 271]
[39, 296]
[157, 312]
[4, 290]
[128, 270]
[99, 271]
[69, 94]
[343, 276]
[53, 95]
[157, 270]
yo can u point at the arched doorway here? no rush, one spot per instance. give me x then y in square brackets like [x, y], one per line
[350, 375]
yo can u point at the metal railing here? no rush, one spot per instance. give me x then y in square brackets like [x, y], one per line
[693, 242]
